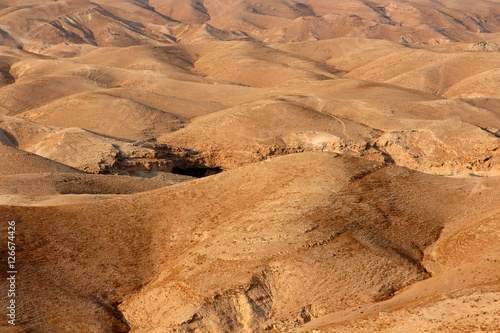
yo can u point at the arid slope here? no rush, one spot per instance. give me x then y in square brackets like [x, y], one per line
[316, 234]
[349, 156]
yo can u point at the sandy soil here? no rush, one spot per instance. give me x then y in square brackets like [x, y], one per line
[251, 165]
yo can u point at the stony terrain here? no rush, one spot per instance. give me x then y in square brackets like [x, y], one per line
[251, 165]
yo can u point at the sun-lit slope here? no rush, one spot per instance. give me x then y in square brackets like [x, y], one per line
[443, 71]
[190, 11]
[107, 114]
[37, 80]
[166, 60]
[419, 131]
[155, 77]
[21, 133]
[201, 34]
[79, 183]
[461, 299]
[256, 65]
[22, 96]
[15, 161]
[395, 66]
[94, 153]
[34, 24]
[161, 79]
[320, 220]
[239, 15]
[481, 85]
[240, 62]
[70, 188]
[249, 132]
[83, 149]
[54, 78]
[111, 23]
[284, 21]
[145, 93]
[14, 99]
[169, 61]
[37, 163]
[422, 131]
[440, 73]
[461, 294]
[249, 241]
[409, 21]
[376, 120]
[457, 311]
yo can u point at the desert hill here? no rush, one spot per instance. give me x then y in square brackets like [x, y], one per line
[238, 256]
[251, 165]
[398, 104]
[126, 23]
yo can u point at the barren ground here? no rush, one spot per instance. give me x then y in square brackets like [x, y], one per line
[251, 165]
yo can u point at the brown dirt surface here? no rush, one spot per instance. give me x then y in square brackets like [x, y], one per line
[251, 165]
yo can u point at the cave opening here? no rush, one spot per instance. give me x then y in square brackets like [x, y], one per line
[198, 172]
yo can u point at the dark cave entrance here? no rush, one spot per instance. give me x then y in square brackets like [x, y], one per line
[198, 172]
